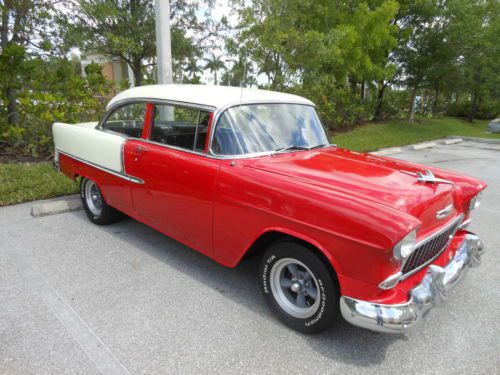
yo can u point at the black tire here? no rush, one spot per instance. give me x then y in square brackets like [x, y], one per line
[322, 313]
[106, 214]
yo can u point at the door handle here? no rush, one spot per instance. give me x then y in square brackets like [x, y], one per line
[141, 149]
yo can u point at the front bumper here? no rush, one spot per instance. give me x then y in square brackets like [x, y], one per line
[400, 318]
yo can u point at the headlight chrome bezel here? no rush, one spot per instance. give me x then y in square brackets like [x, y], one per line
[475, 202]
[406, 246]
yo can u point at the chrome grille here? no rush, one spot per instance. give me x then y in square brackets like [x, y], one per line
[429, 249]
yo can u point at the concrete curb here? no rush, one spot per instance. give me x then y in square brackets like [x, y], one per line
[479, 140]
[59, 206]
[387, 151]
[452, 141]
[424, 145]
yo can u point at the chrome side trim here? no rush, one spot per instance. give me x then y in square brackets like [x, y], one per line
[458, 219]
[56, 161]
[445, 212]
[465, 224]
[391, 281]
[432, 291]
[124, 176]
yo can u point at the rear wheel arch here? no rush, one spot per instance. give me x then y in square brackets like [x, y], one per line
[79, 177]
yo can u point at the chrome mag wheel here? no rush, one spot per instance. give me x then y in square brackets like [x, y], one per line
[93, 197]
[295, 288]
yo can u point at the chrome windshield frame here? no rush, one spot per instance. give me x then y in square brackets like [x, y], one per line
[220, 111]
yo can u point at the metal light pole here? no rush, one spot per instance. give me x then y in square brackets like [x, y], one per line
[163, 48]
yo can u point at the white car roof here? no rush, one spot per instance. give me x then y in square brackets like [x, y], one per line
[212, 96]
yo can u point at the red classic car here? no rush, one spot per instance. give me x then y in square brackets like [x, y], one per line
[234, 173]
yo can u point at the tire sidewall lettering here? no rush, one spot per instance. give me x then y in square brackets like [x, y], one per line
[265, 273]
[321, 310]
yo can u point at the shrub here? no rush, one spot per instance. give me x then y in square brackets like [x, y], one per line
[54, 91]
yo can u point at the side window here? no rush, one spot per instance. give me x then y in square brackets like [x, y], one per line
[127, 120]
[179, 127]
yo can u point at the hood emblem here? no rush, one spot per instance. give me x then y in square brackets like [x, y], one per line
[445, 212]
[429, 177]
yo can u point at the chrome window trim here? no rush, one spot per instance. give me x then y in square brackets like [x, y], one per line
[124, 102]
[193, 150]
[110, 111]
[122, 175]
[197, 130]
[456, 221]
[199, 153]
[218, 113]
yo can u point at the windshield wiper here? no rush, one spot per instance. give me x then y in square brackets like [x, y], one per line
[291, 147]
[296, 147]
[317, 146]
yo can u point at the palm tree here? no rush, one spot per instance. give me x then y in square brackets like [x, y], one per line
[192, 68]
[215, 64]
[252, 81]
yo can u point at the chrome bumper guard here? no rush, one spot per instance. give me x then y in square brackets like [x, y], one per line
[430, 292]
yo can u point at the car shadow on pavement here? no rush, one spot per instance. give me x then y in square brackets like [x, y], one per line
[343, 342]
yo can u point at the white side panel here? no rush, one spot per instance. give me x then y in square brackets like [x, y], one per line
[89, 144]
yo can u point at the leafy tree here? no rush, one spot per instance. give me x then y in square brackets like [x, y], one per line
[319, 48]
[474, 30]
[53, 90]
[25, 30]
[126, 28]
[409, 16]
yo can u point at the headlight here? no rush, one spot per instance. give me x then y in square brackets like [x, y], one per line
[474, 202]
[405, 247]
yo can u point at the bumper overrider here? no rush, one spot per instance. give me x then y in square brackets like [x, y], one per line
[401, 318]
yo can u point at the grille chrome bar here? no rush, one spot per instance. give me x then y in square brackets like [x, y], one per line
[430, 248]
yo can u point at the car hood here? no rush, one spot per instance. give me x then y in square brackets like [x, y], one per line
[383, 180]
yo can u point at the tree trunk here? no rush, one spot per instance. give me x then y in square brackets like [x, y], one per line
[472, 112]
[411, 113]
[137, 70]
[12, 115]
[380, 99]
[435, 102]
[354, 85]
[363, 90]
[215, 77]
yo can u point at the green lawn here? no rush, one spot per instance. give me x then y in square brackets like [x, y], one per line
[24, 182]
[370, 137]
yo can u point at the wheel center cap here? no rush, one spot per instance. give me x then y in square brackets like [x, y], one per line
[296, 287]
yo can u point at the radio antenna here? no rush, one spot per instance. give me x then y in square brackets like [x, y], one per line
[242, 84]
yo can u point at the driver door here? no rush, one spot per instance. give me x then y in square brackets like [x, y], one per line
[179, 179]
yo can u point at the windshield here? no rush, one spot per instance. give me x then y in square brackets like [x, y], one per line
[256, 128]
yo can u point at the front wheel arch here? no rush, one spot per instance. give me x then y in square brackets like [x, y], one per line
[266, 239]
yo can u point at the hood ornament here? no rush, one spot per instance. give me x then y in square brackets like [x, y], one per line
[429, 177]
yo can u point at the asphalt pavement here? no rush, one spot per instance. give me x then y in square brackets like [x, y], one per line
[77, 298]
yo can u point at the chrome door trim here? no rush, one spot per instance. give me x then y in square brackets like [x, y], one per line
[122, 175]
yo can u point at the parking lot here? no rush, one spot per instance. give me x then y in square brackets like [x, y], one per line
[86, 299]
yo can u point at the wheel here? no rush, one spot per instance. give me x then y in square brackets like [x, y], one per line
[94, 204]
[298, 287]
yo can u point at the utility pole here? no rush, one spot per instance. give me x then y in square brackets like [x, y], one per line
[163, 48]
